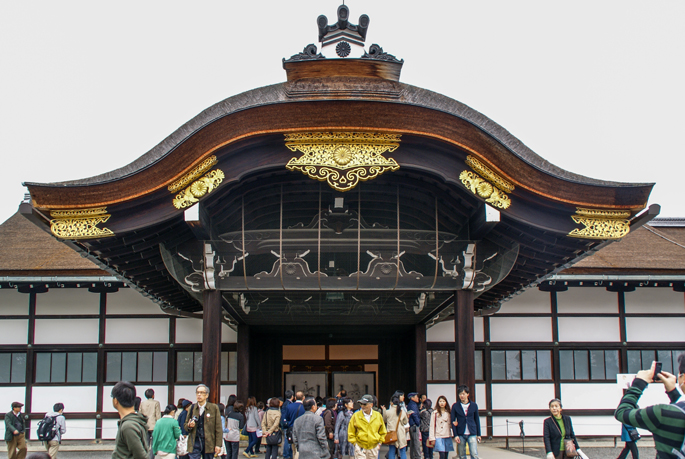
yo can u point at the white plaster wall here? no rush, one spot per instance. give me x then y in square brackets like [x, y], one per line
[576, 329]
[161, 394]
[227, 390]
[595, 426]
[587, 300]
[478, 331]
[109, 429]
[521, 396]
[520, 329]
[228, 335]
[189, 331]
[441, 332]
[9, 394]
[187, 392]
[532, 425]
[649, 329]
[655, 301]
[480, 396]
[530, 301]
[13, 303]
[67, 301]
[129, 301]
[436, 390]
[14, 331]
[77, 429]
[72, 331]
[76, 399]
[136, 331]
[590, 396]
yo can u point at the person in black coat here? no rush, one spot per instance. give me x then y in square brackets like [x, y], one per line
[556, 429]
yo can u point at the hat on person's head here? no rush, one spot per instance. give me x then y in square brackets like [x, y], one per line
[365, 400]
[17, 405]
[185, 403]
[412, 394]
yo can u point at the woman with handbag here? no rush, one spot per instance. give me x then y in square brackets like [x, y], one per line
[560, 440]
[252, 425]
[395, 418]
[166, 435]
[629, 435]
[235, 421]
[440, 433]
[271, 428]
[424, 427]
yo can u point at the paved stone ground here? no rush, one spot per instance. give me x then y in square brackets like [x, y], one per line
[647, 452]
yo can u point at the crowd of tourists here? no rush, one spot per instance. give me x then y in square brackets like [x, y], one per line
[299, 427]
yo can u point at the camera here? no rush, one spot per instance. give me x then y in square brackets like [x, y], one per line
[194, 419]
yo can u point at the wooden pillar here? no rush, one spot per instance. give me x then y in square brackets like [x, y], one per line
[464, 344]
[243, 362]
[421, 385]
[211, 343]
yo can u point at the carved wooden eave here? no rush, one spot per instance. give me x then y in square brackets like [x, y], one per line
[441, 139]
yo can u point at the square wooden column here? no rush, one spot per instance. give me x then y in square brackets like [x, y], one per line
[421, 385]
[464, 344]
[243, 362]
[211, 342]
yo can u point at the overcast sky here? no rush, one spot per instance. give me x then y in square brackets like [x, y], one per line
[595, 87]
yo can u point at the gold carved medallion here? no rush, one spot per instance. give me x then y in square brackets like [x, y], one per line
[488, 185]
[199, 188]
[194, 173]
[600, 224]
[342, 158]
[80, 223]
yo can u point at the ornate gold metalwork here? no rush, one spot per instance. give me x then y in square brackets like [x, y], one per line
[480, 187]
[600, 224]
[80, 223]
[196, 172]
[342, 158]
[489, 175]
[198, 189]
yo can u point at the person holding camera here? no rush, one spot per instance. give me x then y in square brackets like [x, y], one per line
[203, 424]
[666, 422]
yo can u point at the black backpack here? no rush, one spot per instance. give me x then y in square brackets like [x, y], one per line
[47, 428]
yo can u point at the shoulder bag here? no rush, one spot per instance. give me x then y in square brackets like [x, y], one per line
[431, 443]
[391, 437]
[275, 438]
[569, 445]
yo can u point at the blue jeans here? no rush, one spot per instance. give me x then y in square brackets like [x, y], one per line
[253, 441]
[287, 450]
[393, 448]
[473, 446]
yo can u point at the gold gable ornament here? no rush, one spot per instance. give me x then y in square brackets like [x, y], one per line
[342, 158]
[600, 224]
[80, 223]
[488, 185]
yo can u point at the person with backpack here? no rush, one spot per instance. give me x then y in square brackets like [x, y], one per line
[51, 429]
[666, 422]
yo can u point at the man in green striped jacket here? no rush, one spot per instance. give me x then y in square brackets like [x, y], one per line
[666, 422]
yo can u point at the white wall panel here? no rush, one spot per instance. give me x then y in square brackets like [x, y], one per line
[109, 429]
[595, 426]
[227, 390]
[658, 329]
[13, 303]
[480, 396]
[532, 425]
[9, 394]
[590, 396]
[521, 396]
[68, 301]
[72, 331]
[76, 399]
[136, 331]
[129, 301]
[589, 329]
[187, 392]
[520, 329]
[161, 394]
[530, 301]
[14, 331]
[655, 301]
[478, 331]
[441, 332]
[189, 330]
[228, 335]
[436, 390]
[77, 429]
[587, 299]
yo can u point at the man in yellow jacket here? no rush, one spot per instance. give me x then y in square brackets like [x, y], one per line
[366, 430]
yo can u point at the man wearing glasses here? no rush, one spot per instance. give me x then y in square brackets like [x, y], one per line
[204, 427]
[666, 422]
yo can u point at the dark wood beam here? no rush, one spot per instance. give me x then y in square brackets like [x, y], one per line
[211, 343]
[464, 344]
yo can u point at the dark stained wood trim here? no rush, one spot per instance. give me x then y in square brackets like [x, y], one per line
[243, 385]
[420, 346]
[171, 362]
[556, 370]
[487, 374]
[101, 365]
[464, 344]
[211, 342]
[30, 362]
